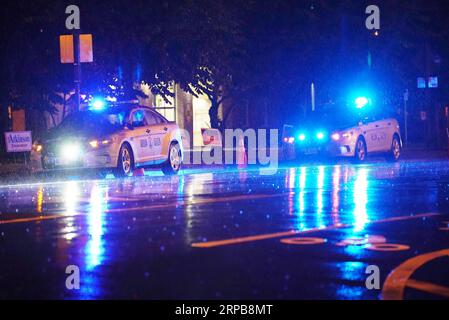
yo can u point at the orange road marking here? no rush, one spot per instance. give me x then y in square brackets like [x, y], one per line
[219, 243]
[397, 280]
[40, 218]
[303, 241]
[159, 206]
[226, 242]
[387, 247]
[428, 287]
[201, 201]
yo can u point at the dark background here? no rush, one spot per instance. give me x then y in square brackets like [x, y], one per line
[257, 51]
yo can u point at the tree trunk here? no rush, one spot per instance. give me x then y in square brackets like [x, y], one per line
[213, 114]
[65, 107]
[53, 119]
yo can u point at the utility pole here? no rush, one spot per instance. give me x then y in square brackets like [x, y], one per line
[312, 96]
[77, 70]
[406, 116]
[71, 51]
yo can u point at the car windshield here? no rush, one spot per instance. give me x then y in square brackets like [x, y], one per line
[91, 122]
[333, 118]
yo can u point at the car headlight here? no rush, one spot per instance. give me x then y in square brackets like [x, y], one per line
[71, 151]
[336, 136]
[98, 143]
[37, 148]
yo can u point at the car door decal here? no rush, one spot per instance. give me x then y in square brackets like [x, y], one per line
[379, 136]
[143, 143]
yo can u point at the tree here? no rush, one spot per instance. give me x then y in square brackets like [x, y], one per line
[30, 73]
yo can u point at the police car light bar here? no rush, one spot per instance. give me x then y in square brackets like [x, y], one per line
[361, 102]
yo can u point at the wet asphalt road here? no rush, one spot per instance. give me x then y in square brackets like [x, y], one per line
[305, 233]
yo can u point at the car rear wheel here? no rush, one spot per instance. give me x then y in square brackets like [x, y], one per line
[395, 152]
[125, 163]
[174, 161]
[360, 150]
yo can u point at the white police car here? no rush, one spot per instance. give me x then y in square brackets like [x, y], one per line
[343, 133]
[119, 138]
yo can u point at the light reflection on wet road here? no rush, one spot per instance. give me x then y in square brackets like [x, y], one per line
[181, 237]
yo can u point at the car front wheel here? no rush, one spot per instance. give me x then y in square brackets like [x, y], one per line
[125, 163]
[360, 150]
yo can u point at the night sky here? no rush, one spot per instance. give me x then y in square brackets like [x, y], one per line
[259, 50]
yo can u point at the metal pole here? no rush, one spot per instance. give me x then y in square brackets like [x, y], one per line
[77, 64]
[312, 95]
[405, 121]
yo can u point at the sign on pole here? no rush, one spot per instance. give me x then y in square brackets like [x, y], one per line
[20, 141]
[86, 51]
[67, 48]
[421, 83]
[433, 82]
[211, 137]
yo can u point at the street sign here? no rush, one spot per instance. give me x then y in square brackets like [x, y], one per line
[67, 48]
[421, 83]
[20, 141]
[433, 82]
[86, 51]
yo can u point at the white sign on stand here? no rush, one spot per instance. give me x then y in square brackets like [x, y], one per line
[20, 141]
[212, 137]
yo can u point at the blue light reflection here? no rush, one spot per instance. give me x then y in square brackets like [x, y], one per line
[96, 226]
[361, 200]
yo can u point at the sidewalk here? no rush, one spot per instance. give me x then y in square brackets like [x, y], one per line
[7, 169]
[413, 152]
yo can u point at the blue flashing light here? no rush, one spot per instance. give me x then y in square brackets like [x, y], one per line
[97, 104]
[320, 135]
[361, 102]
[139, 115]
[302, 137]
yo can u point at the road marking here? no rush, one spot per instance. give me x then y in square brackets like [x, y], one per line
[370, 239]
[303, 241]
[232, 241]
[157, 206]
[428, 287]
[398, 279]
[40, 218]
[387, 247]
[202, 201]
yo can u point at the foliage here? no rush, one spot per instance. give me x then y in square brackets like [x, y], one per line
[244, 51]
